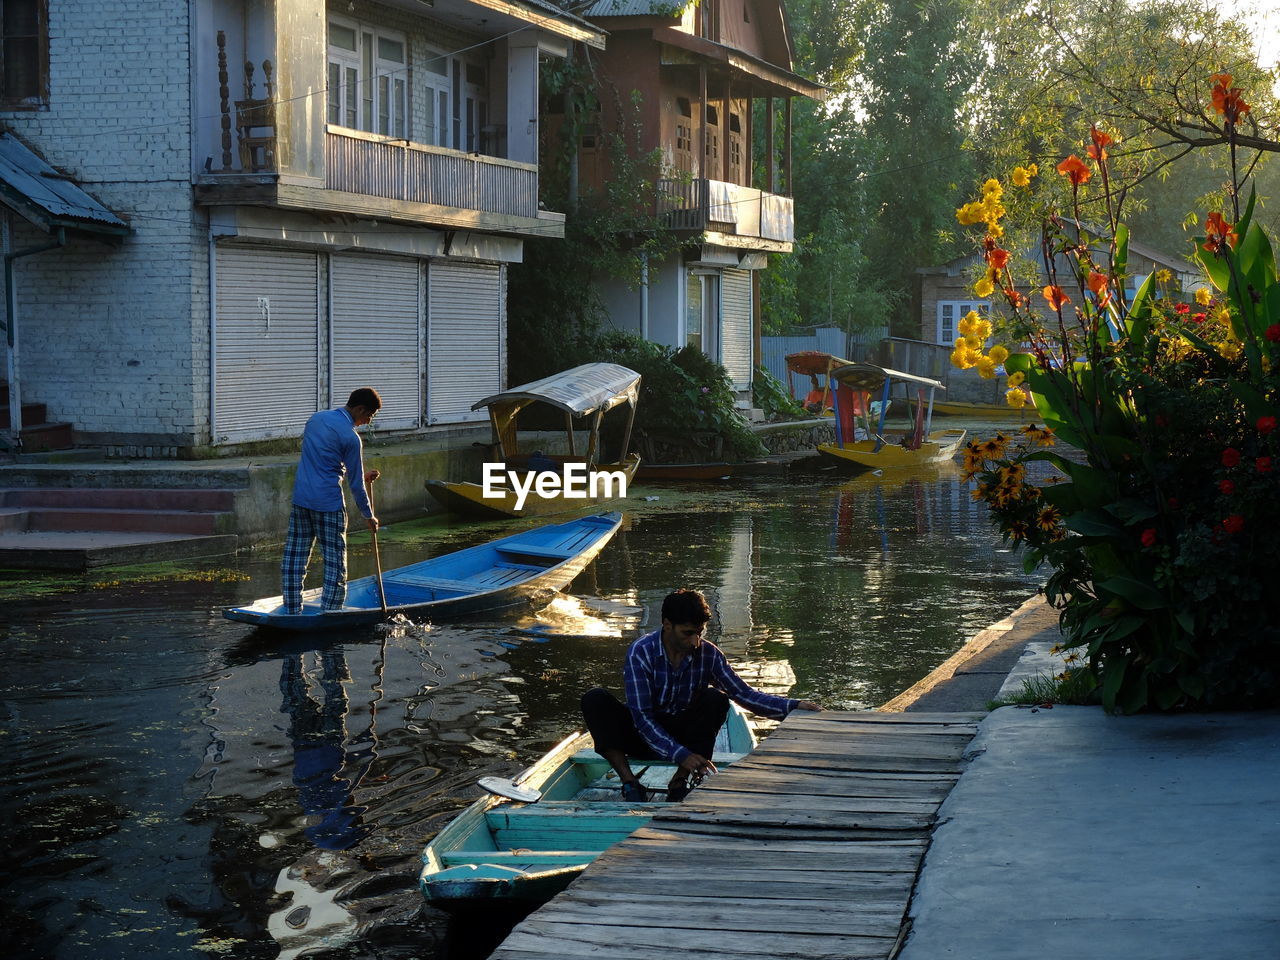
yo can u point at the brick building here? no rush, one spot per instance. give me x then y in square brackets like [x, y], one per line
[318, 197]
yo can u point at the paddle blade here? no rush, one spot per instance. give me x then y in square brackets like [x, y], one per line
[509, 789]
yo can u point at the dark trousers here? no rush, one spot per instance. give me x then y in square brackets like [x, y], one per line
[612, 727]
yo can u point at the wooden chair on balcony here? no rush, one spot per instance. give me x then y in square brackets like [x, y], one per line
[256, 124]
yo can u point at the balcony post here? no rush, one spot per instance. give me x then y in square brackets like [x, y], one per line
[726, 134]
[786, 149]
[769, 185]
[702, 121]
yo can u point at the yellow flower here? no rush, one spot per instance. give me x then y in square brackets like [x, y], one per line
[1022, 176]
[987, 368]
[1204, 296]
[998, 353]
[1048, 518]
[967, 322]
[973, 342]
[992, 189]
[1042, 436]
[1015, 379]
[960, 357]
[1230, 349]
[1223, 315]
[1034, 169]
[1164, 276]
[970, 213]
[995, 231]
[1015, 398]
[981, 329]
[983, 288]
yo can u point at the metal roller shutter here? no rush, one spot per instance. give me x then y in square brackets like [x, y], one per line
[375, 334]
[466, 338]
[735, 350]
[266, 368]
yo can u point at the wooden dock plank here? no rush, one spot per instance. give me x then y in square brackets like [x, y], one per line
[808, 848]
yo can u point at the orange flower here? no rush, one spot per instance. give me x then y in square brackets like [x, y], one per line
[1227, 100]
[1056, 296]
[1098, 149]
[1074, 169]
[1216, 231]
[998, 258]
[1098, 284]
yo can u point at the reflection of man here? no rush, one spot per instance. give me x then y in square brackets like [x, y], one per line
[318, 732]
[678, 691]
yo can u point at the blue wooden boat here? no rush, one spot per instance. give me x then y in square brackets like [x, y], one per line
[500, 850]
[525, 568]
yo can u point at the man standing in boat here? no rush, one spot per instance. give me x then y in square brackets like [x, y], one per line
[330, 448]
[678, 690]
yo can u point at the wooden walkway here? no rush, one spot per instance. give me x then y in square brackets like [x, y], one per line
[808, 848]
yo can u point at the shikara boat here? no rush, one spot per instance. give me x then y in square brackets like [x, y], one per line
[978, 411]
[814, 364]
[525, 568]
[869, 447]
[586, 391]
[504, 850]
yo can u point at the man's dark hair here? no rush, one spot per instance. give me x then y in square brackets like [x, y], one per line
[686, 606]
[366, 397]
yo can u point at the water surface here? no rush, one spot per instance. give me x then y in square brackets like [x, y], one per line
[181, 785]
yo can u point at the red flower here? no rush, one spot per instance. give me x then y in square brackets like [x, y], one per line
[1230, 457]
[1233, 523]
[1149, 537]
[1074, 169]
[1197, 318]
[1172, 503]
[1217, 231]
[1227, 487]
[1273, 333]
[1227, 100]
[1055, 296]
[1263, 464]
[1266, 424]
[997, 258]
[1181, 308]
[1097, 149]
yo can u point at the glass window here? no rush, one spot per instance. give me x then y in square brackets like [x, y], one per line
[24, 52]
[368, 80]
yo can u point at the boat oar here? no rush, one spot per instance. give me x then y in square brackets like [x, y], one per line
[511, 789]
[377, 559]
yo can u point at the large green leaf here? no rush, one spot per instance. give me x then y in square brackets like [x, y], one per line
[1142, 595]
[1132, 510]
[1094, 523]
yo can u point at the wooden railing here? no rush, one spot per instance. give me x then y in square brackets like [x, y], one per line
[399, 170]
[702, 204]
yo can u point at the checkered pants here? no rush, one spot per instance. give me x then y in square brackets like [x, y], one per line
[306, 527]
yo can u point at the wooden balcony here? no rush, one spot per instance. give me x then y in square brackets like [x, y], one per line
[413, 172]
[760, 219]
[378, 178]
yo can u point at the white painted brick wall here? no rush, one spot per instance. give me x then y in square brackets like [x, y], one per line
[111, 337]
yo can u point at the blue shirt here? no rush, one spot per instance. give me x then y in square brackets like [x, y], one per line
[330, 448]
[654, 687]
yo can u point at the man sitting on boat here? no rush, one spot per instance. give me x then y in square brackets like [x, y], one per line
[678, 690]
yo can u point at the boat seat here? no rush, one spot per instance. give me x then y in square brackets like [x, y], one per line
[567, 857]
[532, 551]
[431, 583]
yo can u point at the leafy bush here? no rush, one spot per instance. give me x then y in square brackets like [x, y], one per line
[1161, 531]
[770, 395]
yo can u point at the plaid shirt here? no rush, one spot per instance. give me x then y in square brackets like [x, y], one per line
[655, 687]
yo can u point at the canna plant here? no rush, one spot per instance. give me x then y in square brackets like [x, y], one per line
[1158, 513]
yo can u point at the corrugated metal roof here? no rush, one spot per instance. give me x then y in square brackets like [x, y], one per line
[580, 391]
[636, 8]
[25, 176]
[551, 7]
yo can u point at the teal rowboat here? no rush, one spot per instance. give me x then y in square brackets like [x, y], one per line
[525, 853]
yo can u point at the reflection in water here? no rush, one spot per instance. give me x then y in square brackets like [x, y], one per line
[177, 784]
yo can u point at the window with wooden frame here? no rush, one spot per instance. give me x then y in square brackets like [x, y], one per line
[24, 53]
[735, 148]
[684, 135]
[368, 79]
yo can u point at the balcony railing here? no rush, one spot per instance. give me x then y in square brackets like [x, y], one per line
[400, 170]
[702, 204]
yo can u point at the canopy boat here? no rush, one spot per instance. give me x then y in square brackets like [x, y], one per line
[868, 448]
[978, 411]
[587, 391]
[525, 568]
[524, 853]
[814, 364]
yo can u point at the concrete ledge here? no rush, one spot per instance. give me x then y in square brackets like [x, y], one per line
[84, 550]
